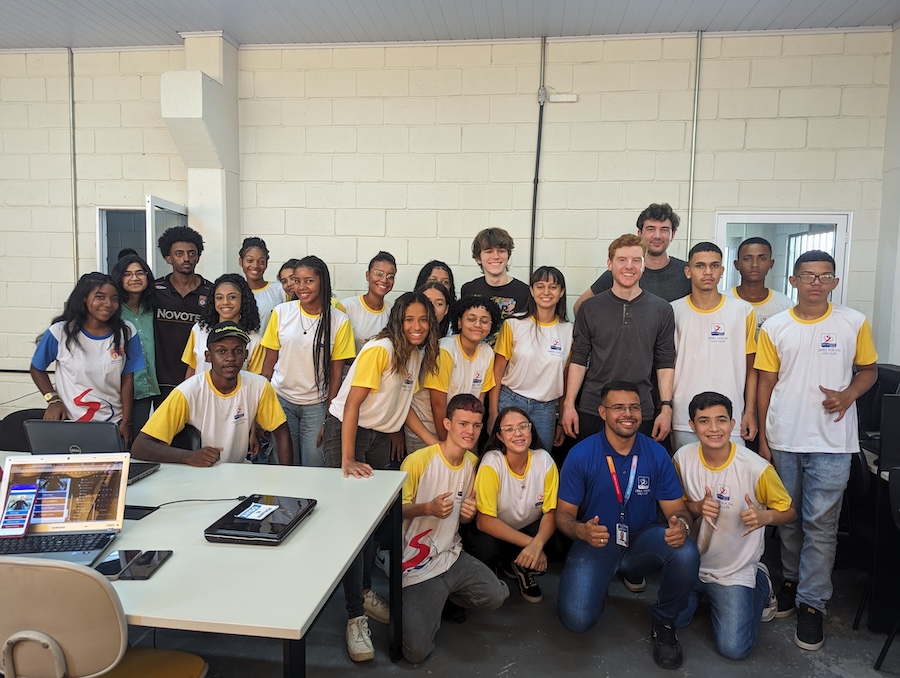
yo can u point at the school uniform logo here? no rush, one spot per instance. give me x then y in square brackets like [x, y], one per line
[117, 354]
[555, 347]
[828, 344]
[828, 341]
[723, 492]
[407, 381]
[477, 380]
[643, 485]
[239, 415]
[423, 551]
[539, 499]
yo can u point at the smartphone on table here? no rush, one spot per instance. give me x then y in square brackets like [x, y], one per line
[18, 510]
[144, 565]
[112, 565]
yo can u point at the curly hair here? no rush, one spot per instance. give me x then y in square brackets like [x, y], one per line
[322, 341]
[425, 273]
[658, 212]
[75, 312]
[402, 348]
[475, 301]
[148, 295]
[179, 234]
[494, 442]
[249, 316]
[443, 324]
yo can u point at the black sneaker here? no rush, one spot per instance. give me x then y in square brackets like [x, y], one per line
[787, 599]
[666, 648]
[527, 586]
[809, 635]
[453, 613]
[634, 584]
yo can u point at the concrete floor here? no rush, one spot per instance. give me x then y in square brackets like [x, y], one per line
[524, 639]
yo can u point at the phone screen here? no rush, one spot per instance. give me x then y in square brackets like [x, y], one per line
[145, 565]
[115, 562]
[18, 510]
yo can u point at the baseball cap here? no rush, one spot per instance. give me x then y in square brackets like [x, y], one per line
[226, 329]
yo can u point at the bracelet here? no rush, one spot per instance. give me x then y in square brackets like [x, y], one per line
[54, 400]
[665, 402]
[687, 528]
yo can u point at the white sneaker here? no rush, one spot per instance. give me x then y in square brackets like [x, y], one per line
[771, 608]
[383, 561]
[376, 606]
[359, 639]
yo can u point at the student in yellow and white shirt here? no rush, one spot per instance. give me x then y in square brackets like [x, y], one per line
[233, 301]
[814, 361]
[715, 343]
[306, 344]
[253, 259]
[369, 312]
[532, 353]
[516, 490]
[754, 261]
[438, 495]
[372, 403]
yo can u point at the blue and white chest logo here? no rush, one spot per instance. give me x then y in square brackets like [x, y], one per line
[643, 484]
[408, 381]
[477, 380]
[828, 341]
[239, 415]
[539, 499]
[723, 493]
[555, 346]
[717, 330]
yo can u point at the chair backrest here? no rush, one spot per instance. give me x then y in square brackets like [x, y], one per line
[12, 429]
[188, 438]
[75, 605]
[889, 445]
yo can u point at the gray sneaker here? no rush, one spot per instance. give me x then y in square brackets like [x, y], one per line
[359, 639]
[771, 608]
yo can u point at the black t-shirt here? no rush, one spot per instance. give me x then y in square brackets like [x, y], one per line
[668, 282]
[511, 297]
[172, 322]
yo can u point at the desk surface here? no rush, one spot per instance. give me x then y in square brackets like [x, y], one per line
[274, 592]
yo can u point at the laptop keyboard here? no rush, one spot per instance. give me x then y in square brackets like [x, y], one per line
[53, 543]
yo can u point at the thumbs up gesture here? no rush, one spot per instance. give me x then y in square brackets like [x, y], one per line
[676, 533]
[753, 517]
[596, 535]
[709, 509]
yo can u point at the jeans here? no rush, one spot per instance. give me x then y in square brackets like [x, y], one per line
[543, 414]
[816, 483]
[736, 612]
[585, 578]
[304, 422]
[492, 551]
[468, 583]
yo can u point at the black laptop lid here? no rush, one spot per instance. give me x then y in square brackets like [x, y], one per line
[73, 437]
[260, 518]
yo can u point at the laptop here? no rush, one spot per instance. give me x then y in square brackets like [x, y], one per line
[75, 437]
[79, 506]
[262, 519]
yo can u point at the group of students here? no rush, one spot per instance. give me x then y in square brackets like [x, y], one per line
[288, 374]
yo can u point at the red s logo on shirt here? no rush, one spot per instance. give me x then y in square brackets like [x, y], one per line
[424, 550]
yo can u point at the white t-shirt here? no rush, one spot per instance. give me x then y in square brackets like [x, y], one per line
[807, 354]
[516, 500]
[537, 355]
[776, 302]
[711, 348]
[267, 298]
[386, 406]
[366, 322]
[431, 545]
[727, 558]
[223, 420]
[194, 354]
[292, 333]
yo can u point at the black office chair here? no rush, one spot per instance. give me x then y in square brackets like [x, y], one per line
[12, 430]
[188, 438]
[894, 489]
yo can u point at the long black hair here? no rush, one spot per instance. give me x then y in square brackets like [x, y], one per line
[322, 340]
[75, 312]
[148, 296]
[494, 442]
[426, 272]
[249, 317]
[444, 324]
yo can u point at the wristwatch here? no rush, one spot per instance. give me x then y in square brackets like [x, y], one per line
[665, 402]
[50, 395]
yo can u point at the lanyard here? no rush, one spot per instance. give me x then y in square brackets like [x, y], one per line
[622, 499]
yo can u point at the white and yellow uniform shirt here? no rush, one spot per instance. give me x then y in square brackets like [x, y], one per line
[537, 355]
[292, 333]
[267, 298]
[194, 354]
[807, 354]
[431, 545]
[390, 394]
[516, 500]
[711, 349]
[726, 557]
[775, 302]
[224, 420]
[366, 322]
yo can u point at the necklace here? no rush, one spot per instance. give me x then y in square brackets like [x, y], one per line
[312, 323]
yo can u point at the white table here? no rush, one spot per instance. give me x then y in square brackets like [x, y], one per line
[274, 592]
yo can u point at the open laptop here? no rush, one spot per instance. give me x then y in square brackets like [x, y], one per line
[75, 437]
[79, 507]
[262, 519]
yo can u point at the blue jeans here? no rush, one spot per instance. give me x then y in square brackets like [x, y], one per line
[736, 612]
[585, 578]
[304, 422]
[816, 483]
[543, 414]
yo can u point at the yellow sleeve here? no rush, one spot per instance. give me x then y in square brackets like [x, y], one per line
[440, 380]
[751, 332]
[487, 488]
[369, 367]
[488, 383]
[865, 346]
[269, 413]
[344, 344]
[504, 343]
[684, 495]
[415, 465]
[187, 356]
[255, 364]
[767, 358]
[169, 418]
[338, 305]
[270, 337]
[770, 491]
[551, 488]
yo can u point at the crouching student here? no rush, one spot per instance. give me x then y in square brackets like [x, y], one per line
[731, 492]
[222, 404]
[437, 496]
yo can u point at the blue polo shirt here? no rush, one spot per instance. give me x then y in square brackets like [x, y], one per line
[585, 481]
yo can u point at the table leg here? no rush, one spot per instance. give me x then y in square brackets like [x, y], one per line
[395, 628]
[295, 658]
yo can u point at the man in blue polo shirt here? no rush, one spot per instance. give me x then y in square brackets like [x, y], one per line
[609, 489]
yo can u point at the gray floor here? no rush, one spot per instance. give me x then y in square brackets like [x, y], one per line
[524, 639]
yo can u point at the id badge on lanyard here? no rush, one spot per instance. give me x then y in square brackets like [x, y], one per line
[622, 534]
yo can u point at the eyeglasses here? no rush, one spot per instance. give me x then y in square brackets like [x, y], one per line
[475, 320]
[524, 427]
[620, 409]
[381, 275]
[810, 278]
[134, 274]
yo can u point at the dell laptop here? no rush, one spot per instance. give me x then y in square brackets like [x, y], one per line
[264, 519]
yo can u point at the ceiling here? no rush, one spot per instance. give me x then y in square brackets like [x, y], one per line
[35, 24]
